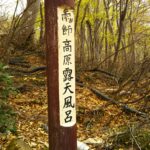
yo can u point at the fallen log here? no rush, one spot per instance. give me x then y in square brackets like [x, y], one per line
[29, 71]
[99, 94]
[123, 106]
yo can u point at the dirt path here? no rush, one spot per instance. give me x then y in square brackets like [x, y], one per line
[96, 118]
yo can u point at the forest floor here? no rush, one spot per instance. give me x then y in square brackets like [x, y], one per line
[100, 123]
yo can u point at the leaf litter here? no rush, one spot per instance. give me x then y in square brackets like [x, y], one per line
[97, 120]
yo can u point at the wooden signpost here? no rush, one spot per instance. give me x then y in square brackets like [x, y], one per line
[59, 18]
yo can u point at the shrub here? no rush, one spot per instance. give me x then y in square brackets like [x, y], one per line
[7, 115]
[5, 83]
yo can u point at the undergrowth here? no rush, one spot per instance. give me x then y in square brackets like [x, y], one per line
[7, 115]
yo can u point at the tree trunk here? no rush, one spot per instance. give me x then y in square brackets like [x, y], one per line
[41, 40]
[23, 31]
[82, 37]
[121, 21]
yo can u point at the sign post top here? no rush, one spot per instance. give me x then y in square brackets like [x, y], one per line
[69, 3]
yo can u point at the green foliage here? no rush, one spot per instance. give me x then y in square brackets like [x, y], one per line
[5, 83]
[143, 137]
[133, 137]
[7, 117]
[91, 14]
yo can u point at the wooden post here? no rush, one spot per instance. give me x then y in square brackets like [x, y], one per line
[59, 20]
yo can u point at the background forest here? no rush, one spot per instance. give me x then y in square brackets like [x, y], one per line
[112, 74]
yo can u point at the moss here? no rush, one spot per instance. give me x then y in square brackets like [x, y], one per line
[143, 138]
[125, 138]
[18, 144]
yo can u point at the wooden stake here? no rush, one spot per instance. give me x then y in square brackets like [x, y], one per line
[60, 74]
